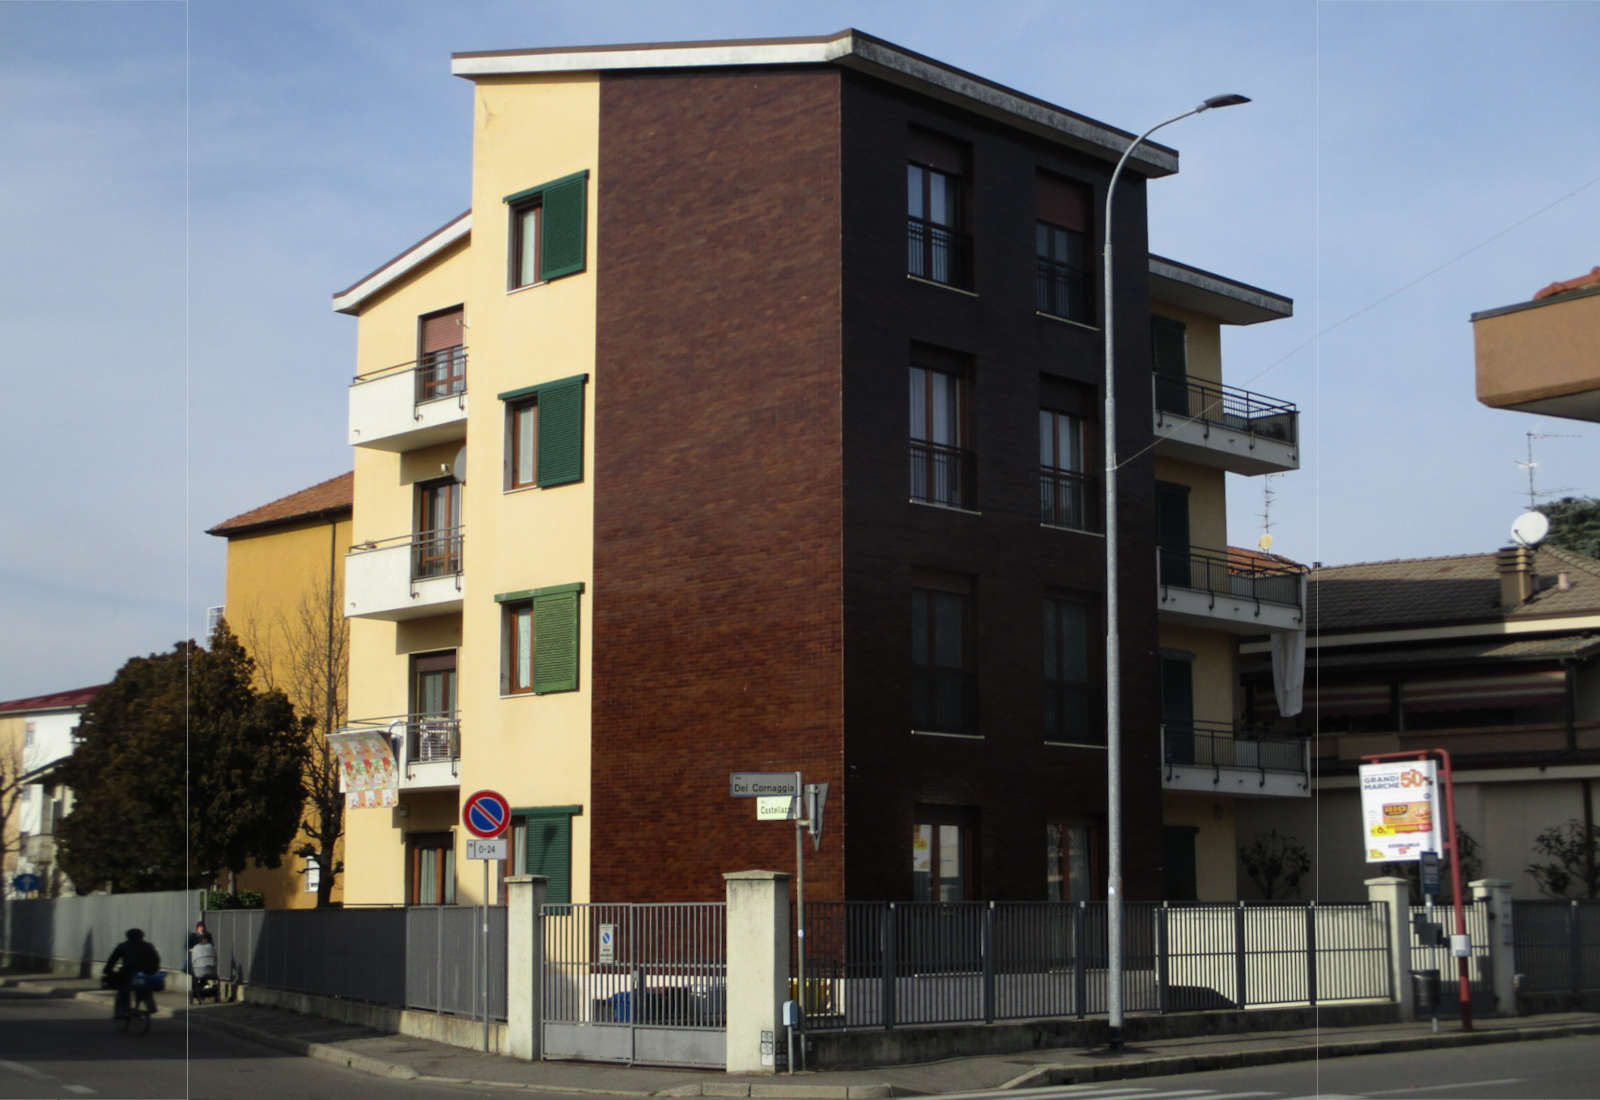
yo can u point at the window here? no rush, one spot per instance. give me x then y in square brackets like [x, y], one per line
[1070, 715]
[1070, 872]
[432, 734]
[1062, 283]
[942, 465]
[437, 548]
[441, 355]
[1178, 866]
[430, 869]
[1173, 552]
[944, 685]
[1177, 706]
[313, 874]
[540, 640]
[548, 231]
[942, 865]
[936, 246]
[1169, 358]
[544, 433]
[541, 844]
[1062, 482]
[27, 733]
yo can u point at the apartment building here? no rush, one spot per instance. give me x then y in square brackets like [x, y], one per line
[284, 601]
[35, 735]
[749, 420]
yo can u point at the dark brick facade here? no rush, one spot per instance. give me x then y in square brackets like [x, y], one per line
[754, 542]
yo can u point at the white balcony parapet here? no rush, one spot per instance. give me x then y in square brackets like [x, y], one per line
[426, 747]
[1224, 427]
[1213, 758]
[405, 577]
[411, 405]
[1206, 588]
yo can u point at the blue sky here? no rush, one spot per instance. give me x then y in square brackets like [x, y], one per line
[187, 183]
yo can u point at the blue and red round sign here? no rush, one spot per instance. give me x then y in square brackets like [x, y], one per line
[486, 814]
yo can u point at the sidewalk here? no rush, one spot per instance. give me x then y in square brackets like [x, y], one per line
[405, 1057]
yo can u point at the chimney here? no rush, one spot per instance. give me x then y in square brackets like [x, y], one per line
[1517, 579]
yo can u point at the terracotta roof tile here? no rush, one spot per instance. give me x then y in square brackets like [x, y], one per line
[1243, 557]
[331, 496]
[1580, 283]
[1435, 591]
[77, 697]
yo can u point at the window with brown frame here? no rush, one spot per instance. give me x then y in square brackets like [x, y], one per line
[437, 547]
[937, 246]
[522, 424]
[1072, 858]
[943, 464]
[1069, 696]
[430, 869]
[1063, 285]
[944, 680]
[441, 355]
[943, 850]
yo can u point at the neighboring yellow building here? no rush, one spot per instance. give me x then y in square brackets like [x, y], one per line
[285, 585]
[35, 735]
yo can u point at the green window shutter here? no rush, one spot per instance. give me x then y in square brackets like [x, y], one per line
[555, 642]
[561, 433]
[549, 853]
[1167, 346]
[565, 223]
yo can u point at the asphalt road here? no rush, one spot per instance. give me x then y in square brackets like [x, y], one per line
[66, 1048]
[1552, 1068]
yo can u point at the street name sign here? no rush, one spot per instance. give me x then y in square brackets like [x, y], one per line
[486, 814]
[764, 784]
[498, 848]
[777, 808]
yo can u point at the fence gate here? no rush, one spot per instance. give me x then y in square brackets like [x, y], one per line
[636, 983]
[1480, 965]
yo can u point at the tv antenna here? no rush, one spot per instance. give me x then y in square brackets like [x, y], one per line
[1267, 497]
[1530, 465]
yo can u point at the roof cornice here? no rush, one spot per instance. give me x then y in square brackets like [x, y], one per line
[850, 49]
[1206, 292]
[352, 298]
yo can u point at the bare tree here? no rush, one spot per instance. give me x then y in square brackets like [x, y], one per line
[10, 802]
[304, 651]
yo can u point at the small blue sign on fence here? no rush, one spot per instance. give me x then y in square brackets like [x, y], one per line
[25, 883]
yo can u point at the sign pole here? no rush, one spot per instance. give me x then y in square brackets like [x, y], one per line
[800, 914]
[486, 956]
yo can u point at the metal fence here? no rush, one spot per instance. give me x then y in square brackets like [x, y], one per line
[83, 931]
[636, 983]
[1557, 945]
[1437, 956]
[444, 959]
[942, 474]
[428, 957]
[885, 964]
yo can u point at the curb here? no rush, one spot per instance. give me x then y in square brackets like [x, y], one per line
[1059, 1074]
[322, 1052]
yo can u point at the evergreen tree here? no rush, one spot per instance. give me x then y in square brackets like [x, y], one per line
[182, 771]
[1574, 524]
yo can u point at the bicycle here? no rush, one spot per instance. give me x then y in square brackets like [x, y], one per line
[141, 1002]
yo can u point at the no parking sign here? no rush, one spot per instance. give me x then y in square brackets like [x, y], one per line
[486, 814]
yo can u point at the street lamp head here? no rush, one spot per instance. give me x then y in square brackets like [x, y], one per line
[1232, 100]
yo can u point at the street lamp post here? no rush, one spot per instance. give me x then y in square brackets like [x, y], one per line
[1113, 633]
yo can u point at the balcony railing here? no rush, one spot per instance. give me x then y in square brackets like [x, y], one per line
[435, 375]
[436, 553]
[1214, 572]
[1064, 499]
[938, 253]
[405, 576]
[417, 739]
[1228, 407]
[1062, 290]
[1219, 745]
[942, 475]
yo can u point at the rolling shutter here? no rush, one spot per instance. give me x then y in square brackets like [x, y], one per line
[565, 222]
[555, 639]
[561, 432]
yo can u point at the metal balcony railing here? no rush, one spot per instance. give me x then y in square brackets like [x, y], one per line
[1062, 290]
[938, 253]
[1220, 745]
[1228, 407]
[417, 738]
[1213, 571]
[1064, 499]
[942, 475]
[437, 374]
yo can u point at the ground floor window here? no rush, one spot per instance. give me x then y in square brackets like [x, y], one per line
[430, 869]
[1179, 882]
[943, 866]
[1071, 862]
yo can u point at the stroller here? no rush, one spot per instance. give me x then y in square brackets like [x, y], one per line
[203, 981]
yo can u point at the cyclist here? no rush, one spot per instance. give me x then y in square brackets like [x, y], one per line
[136, 956]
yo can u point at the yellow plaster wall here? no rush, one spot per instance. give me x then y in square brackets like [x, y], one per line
[1204, 342]
[268, 576]
[1215, 845]
[1215, 668]
[533, 749]
[1208, 500]
[11, 731]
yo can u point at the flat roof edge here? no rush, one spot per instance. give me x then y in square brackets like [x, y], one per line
[1537, 303]
[1258, 304]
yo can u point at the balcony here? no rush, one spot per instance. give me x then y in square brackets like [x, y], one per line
[1214, 758]
[411, 405]
[1206, 588]
[406, 577]
[1227, 428]
[426, 747]
[938, 253]
[1065, 501]
[943, 475]
[1538, 356]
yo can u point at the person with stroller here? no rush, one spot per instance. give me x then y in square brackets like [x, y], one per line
[134, 955]
[203, 968]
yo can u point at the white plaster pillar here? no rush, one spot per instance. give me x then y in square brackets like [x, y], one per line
[525, 896]
[1397, 892]
[1502, 940]
[758, 969]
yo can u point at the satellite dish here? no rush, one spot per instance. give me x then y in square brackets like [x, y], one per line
[458, 466]
[1530, 528]
[1265, 542]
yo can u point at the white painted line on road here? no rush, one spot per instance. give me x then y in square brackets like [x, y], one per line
[81, 1090]
[1452, 1085]
[26, 1071]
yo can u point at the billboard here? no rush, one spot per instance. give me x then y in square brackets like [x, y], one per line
[1400, 816]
